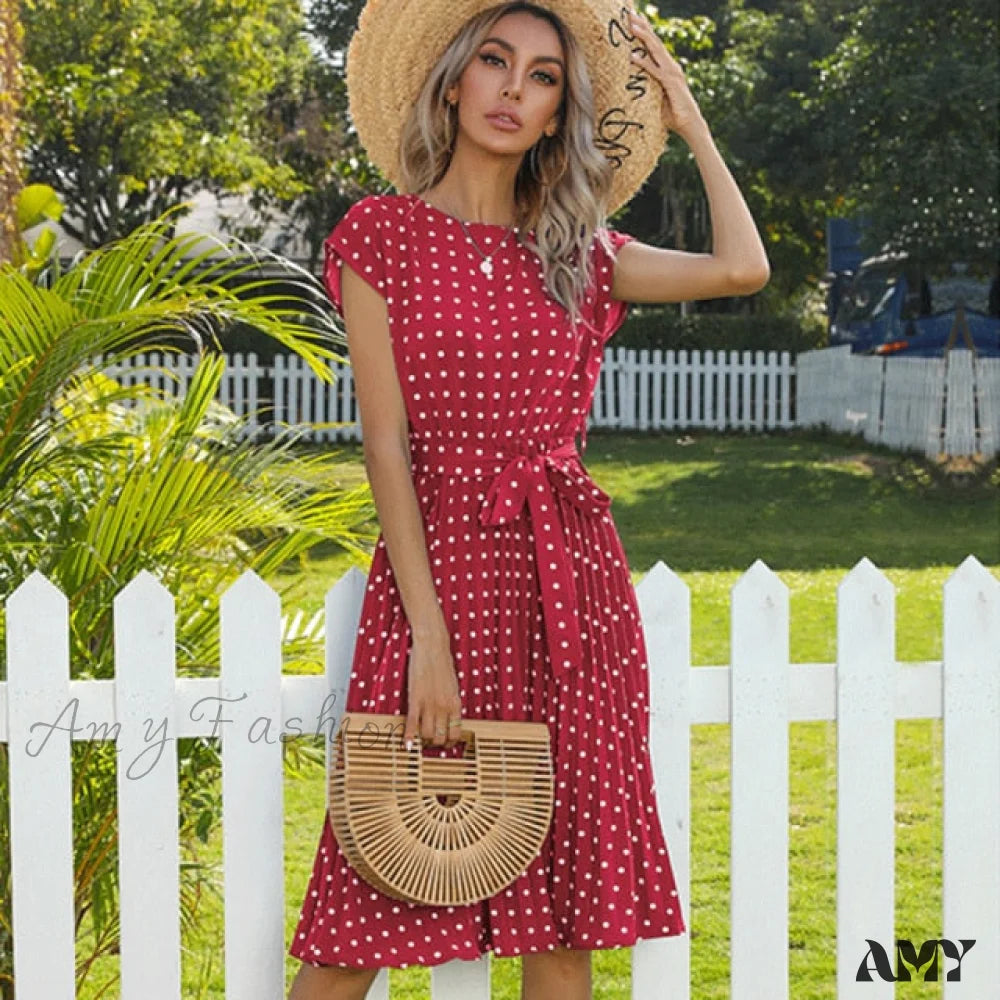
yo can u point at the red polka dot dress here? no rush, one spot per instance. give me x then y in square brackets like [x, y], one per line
[533, 582]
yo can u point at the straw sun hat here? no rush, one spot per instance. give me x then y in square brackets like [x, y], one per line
[398, 42]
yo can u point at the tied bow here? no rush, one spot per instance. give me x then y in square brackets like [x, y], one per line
[534, 478]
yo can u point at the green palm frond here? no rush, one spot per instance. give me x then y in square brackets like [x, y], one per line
[151, 283]
[124, 298]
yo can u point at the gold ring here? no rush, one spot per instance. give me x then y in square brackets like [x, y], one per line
[455, 722]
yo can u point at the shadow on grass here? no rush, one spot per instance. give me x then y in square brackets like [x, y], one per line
[707, 501]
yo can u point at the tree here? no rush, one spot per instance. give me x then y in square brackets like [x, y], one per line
[792, 185]
[321, 145]
[907, 108]
[11, 37]
[132, 104]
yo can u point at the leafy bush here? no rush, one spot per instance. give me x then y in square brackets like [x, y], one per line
[665, 329]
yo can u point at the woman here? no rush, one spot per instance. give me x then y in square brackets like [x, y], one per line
[477, 304]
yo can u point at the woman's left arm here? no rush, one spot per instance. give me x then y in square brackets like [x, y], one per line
[738, 264]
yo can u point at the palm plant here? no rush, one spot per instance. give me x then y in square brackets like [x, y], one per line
[99, 480]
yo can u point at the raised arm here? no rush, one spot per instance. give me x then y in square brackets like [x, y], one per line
[738, 264]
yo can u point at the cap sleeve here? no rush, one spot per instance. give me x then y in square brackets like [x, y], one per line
[608, 313]
[355, 240]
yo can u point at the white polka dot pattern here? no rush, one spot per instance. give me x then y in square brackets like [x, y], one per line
[534, 585]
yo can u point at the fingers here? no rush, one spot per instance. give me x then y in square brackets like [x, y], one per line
[448, 724]
[454, 720]
[423, 724]
[441, 727]
[651, 42]
[411, 731]
[644, 32]
[434, 727]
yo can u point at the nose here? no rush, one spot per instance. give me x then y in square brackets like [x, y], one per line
[511, 91]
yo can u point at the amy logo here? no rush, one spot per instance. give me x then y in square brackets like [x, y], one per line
[907, 958]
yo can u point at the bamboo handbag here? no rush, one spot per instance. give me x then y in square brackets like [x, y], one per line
[386, 813]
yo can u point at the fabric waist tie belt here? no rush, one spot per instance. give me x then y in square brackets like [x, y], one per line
[531, 476]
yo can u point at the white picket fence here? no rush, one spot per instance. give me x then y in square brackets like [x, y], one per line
[940, 406]
[645, 390]
[658, 390]
[758, 693]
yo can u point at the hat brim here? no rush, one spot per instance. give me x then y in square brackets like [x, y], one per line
[398, 42]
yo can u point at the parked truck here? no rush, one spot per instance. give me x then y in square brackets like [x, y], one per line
[891, 304]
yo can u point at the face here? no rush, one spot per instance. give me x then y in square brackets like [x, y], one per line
[519, 68]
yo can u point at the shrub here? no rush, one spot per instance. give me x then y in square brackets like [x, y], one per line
[664, 328]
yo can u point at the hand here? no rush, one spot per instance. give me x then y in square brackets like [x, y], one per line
[648, 51]
[433, 698]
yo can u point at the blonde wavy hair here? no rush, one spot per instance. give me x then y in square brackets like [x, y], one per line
[562, 185]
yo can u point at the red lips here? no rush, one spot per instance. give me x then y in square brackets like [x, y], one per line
[512, 115]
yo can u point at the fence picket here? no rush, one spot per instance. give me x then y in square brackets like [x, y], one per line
[971, 712]
[626, 388]
[293, 366]
[252, 789]
[672, 417]
[960, 427]
[746, 380]
[645, 375]
[279, 405]
[683, 390]
[988, 398]
[148, 851]
[758, 845]
[461, 980]
[41, 825]
[659, 417]
[783, 382]
[866, 742]
[723, 374]
[254, 374]
[662, 966]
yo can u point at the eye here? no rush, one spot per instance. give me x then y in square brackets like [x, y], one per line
[491, 58]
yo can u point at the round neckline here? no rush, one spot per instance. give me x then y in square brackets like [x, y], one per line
[455, 218]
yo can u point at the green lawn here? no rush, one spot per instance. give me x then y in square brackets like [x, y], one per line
[708, 505]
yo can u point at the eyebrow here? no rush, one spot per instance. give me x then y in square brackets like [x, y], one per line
[510, 48]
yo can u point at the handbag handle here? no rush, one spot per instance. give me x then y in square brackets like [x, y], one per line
[449, 776]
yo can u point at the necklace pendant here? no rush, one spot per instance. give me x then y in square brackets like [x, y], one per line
[487, 268]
